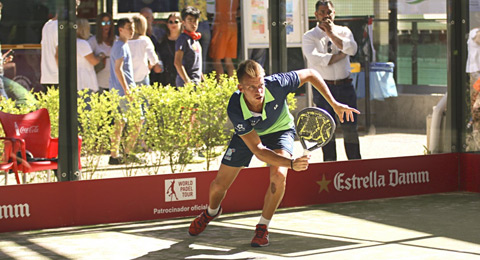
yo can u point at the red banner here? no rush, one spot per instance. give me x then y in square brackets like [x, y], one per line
[37, 206]
[470, 172]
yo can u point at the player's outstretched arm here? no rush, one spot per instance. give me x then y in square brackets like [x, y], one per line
[310, 75]
[252, 140]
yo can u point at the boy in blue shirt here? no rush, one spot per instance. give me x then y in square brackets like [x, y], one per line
[264, 127]
[121, 79]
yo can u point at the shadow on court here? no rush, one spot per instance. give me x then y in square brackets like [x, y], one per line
[234, 239]
[437, 226]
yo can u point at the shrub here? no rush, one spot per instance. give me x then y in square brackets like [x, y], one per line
[177, 122]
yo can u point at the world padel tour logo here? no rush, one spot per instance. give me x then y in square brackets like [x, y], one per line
[180, 189]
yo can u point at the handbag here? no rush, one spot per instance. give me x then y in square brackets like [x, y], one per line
[100, 66]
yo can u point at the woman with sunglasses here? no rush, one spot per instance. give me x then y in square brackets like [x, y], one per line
[167, 49]
[102, 42]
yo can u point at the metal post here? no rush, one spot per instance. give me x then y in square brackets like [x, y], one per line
[393, 36]
[457, 16]
[67, 64]
[414, 53]
[278, 36]
[368, 120]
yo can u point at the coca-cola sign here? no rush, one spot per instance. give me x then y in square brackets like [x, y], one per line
[19, 130]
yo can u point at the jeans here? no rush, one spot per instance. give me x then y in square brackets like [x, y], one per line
[344, 93]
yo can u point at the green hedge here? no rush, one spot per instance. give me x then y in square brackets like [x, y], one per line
[178, 122]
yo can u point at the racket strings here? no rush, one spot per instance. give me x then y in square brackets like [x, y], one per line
[314, 127]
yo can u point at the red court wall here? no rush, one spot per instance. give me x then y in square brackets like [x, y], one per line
[48, 205]
[469, 172]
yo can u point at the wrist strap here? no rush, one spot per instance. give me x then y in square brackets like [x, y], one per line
[291, 163]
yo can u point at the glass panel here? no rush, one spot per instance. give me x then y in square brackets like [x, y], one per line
[395, 120]
[472, 142]
[401, 108]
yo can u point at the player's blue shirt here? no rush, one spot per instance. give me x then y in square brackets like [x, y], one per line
[275, 114]
[119, 50]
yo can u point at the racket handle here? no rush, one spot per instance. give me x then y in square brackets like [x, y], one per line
[306, 152]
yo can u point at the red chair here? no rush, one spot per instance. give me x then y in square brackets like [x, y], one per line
[9, 159]
[33, 131]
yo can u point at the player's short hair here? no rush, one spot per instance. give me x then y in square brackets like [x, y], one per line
[249, 68]
[140, 24]
[121, 22]
[190, 10]
[323, 3]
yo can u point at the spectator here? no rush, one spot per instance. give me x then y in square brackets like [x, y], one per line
[122, 79]
[167, 50]
[327, 48]
[86, 78]
[143, 52]
[155, 34]
[224, 39]
[152, 31]
[102, 42]
[203, 26]
[49, 57]
[3, 94]
[188, 52]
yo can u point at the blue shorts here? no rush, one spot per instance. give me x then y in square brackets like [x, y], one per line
[238, 154]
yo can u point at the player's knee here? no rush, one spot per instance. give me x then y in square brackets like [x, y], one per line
[279, 179]
[217, 186]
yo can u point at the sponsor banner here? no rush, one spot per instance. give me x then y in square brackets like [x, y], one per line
[470, 172]
[48, 205]
[371, 179]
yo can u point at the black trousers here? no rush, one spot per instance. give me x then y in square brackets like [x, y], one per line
[343, 93]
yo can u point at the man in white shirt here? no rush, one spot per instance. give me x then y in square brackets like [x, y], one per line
[49, 58]
[327, 48]
[3, 94]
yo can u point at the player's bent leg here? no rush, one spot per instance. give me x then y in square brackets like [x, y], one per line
[276, 189]
[222, 182]
[273, 197]
[218, 188]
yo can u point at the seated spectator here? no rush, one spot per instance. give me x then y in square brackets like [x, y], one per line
[144, 57]
[167, 50]
[102, 42]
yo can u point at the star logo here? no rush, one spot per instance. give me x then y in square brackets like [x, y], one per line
[323, 184]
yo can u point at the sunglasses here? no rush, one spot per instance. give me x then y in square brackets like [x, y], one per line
[329, 47]
[104, 23]
[173, 22]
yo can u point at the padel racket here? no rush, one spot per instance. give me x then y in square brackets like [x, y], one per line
[315, 128]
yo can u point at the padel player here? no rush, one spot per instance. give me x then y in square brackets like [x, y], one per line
[265, 128]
